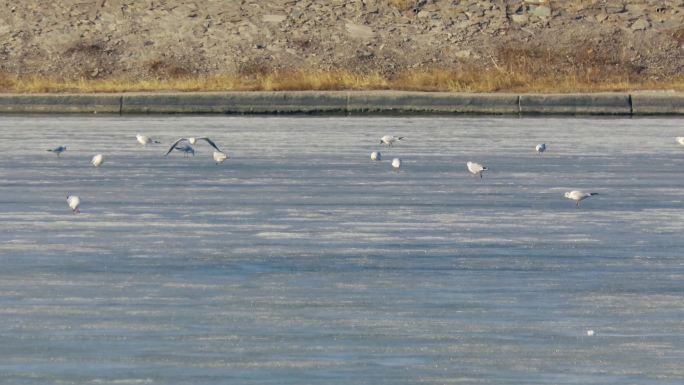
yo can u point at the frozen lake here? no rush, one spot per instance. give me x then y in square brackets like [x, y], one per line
[300, 261]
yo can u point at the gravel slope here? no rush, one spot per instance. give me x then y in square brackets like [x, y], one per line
[161, 38]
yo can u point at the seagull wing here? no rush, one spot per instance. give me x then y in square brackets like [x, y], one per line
[211, 143]
[174, 145]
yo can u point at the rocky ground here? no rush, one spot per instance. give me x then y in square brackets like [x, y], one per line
[160, 38]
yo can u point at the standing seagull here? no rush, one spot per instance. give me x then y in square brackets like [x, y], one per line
[376, 155]
[389, 139]
[97, 160]
[145, 140]
[58, 150]
[680, 140]
[193, 141]
[541, 148]
[578, 196]
[220, 157]
[396, 164]
[74, 202]
[476, 168]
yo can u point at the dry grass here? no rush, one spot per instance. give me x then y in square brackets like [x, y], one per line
[515, 76]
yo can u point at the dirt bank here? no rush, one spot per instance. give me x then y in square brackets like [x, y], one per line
[643, 39]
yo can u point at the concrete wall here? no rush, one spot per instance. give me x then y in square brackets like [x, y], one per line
[656, 103]
[593, 104]
[61, 103]
[347, 102]
[431, 102]
[236, 102]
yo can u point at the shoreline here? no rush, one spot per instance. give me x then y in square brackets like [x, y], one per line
[640, 103]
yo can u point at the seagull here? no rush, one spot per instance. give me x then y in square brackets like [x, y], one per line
[376, 155]
[476, 168]
[220, 157]
[680, 140]
[396, 163]
[541, 148]
[187, 149]
[578, 196]
[193, 141]
[389, 139]
[97, 160]
[58, 150]
[74, 202]
[145, 140]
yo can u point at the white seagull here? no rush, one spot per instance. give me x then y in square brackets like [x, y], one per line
[193, 141]
[541, 148]
[578, 196]
[376, 155]
[145, 140]
[58, 150]
[396, 163]
[476, 168]
[97, 160]
[389, 139]
[680, 140]
[74, 202]
[220, 157]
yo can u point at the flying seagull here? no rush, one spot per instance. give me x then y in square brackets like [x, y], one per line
[389, 139]
[187, 149]
[578, 196]
[58, 150]
[476, 168]
[193, 141]
[74, 202]
[145, 140]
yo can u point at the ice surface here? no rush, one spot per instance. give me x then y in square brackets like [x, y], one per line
[299, 260]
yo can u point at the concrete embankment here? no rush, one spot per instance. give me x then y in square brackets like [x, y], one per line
[348, 102]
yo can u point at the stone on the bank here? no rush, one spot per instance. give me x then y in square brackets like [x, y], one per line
[359, 31]
[542, 11]
[640, 24]
[274, 18]
[519, 19]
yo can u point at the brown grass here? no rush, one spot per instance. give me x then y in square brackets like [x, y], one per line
[514, 76]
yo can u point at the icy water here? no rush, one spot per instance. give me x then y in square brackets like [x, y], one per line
[300, 261]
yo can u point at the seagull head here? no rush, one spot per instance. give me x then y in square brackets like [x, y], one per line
[567, 194]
